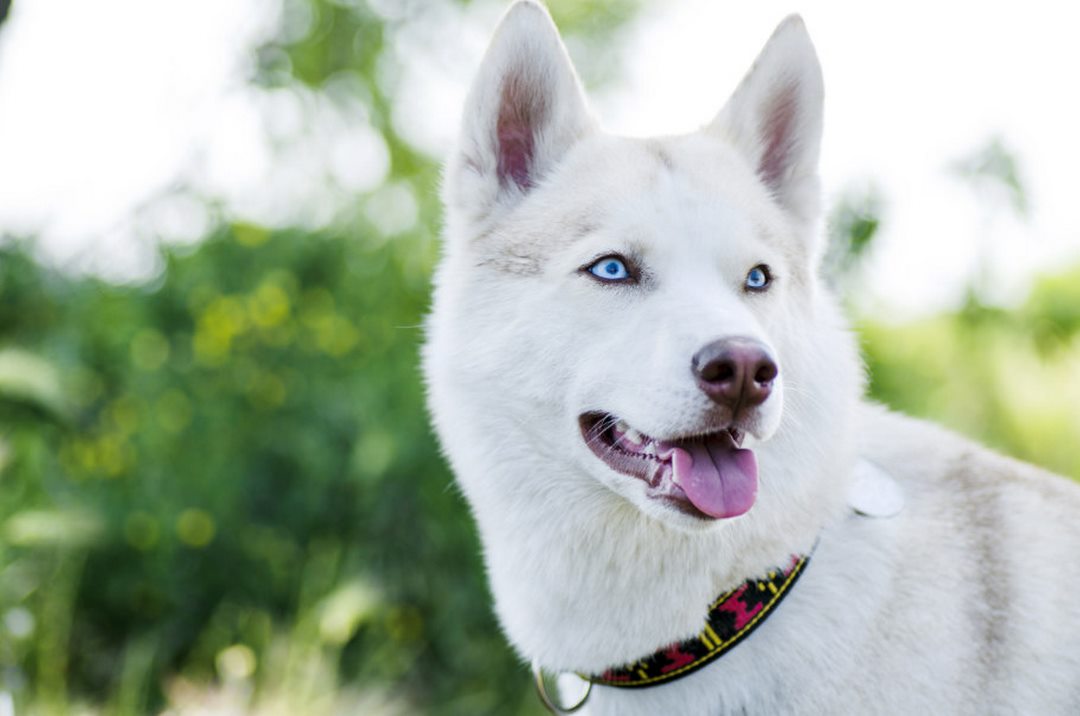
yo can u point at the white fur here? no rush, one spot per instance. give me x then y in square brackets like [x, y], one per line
[962, 603]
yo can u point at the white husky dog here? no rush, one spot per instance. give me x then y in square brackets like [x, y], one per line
[654, 410]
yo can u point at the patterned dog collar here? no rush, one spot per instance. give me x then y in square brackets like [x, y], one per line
[731, 619]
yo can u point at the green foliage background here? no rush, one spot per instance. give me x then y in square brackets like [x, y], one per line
[220, 490]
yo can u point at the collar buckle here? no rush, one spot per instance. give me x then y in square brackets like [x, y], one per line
[550, 703]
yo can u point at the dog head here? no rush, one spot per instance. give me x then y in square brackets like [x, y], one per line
[641, 314]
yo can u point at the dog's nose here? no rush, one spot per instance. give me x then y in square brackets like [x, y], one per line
[736, 372]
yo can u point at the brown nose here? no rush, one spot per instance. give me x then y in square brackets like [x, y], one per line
[735, 372]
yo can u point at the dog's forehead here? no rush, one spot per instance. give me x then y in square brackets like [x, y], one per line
[686, 188]
[616, 170]
[690, 191]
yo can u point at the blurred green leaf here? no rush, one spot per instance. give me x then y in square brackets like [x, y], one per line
[60, 528]
[995, 167]
[27, 379]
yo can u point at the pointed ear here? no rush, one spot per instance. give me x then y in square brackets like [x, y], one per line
[524, 111]
[775, 118]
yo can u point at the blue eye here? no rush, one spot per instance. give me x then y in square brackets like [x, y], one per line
[758, 279]
[610, 268]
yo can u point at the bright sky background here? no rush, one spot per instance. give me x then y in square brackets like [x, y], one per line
[105, 105]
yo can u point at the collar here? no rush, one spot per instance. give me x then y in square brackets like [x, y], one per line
[732, 617]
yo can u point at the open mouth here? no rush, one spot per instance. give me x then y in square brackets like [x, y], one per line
[706, 476]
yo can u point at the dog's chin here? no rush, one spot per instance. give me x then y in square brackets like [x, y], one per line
[692, 481]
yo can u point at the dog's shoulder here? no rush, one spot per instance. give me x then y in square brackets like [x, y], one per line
[927, 458]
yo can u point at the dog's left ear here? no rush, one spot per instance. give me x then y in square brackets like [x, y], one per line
[775, 118]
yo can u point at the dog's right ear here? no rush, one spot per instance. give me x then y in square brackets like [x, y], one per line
[524, 111]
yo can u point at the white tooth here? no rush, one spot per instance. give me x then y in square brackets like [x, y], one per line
[622, 427]
[675, 478]
[634, 436]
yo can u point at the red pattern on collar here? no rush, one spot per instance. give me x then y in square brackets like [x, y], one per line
[732, 617]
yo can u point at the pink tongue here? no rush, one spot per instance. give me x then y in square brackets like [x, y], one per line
[719, 478]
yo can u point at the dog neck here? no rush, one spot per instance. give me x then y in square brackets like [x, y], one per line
[572, 565]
